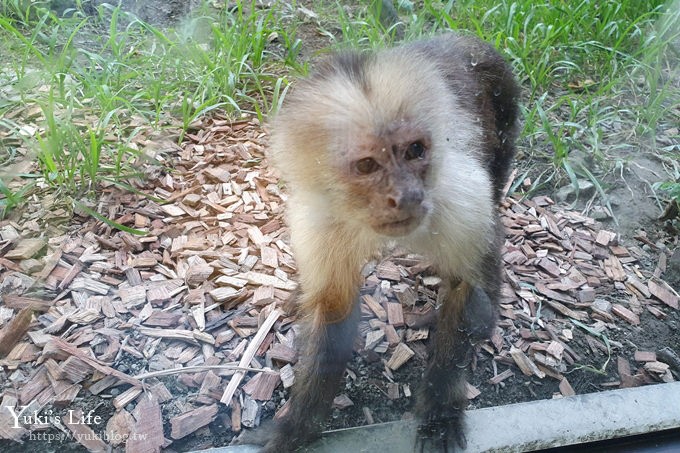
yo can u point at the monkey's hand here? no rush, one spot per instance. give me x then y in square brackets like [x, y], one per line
[275, 437]
[480, 315]
[442, 431]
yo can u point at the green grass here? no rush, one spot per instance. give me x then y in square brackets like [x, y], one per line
[111, 74]
[585, 67]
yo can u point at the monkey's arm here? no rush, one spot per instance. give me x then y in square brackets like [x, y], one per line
[324, 354]
[467, 316]
[329, 314]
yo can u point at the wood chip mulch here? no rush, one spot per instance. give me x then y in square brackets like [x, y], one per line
[187, 324]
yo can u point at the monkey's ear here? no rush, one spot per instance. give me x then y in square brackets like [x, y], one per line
[351, 64]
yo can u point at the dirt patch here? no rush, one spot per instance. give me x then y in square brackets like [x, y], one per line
[155, 12]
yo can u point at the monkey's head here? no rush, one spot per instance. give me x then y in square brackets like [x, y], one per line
[384, 172]
[362, 141]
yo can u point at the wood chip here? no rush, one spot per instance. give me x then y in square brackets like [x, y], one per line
[614, 270]
[263, 295]
[174, 334]
[656, 312]
[586, 295]
[198, 274]
[389, 271]
[133, 296]
[566, 388]
[79, 423]
[639, 286]
[391, 335]
[189, 422]
[287, 376]
[119, 427]
[501, 377]
[645, 356]
[218, 173]
[26, 248]
[624, 313]
[255, 278]
[160, 392]
[656, 367]
[555, 348]
[664, 294]
[261, 387]
[579, 315]
[70, 349]
[248, 355]
[557, 296]
[400, 356]
[392, 390]
[395, 314]
[14, 331]
[368, 415]
[269, 257]
[39, 381]
[236, 411]
[20, 302]
[173, 210]
[550, 267]
[126, 397]
[282, 353]
[147, 433]
[471, 392]
[250, 412]
[604, 237]
[233, 282]
[525, 364]
[75, 369]
[225, 293]
[374, 338]
[406, 296]
[375, 307]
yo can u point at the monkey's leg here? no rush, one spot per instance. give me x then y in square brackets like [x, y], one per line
[324, 352]
[329, 277]
[467, 316]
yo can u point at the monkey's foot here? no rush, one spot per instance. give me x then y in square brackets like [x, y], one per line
[274, 437]
[443, 432]
[265, 436]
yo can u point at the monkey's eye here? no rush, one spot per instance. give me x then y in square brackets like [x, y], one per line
[415, 150]
[366, 166]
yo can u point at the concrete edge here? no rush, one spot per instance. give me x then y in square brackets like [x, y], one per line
[524, 426]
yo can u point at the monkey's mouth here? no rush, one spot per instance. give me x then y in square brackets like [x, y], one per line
[398, 223]
[398, 227]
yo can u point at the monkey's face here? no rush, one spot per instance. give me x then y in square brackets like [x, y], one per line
[386, 175]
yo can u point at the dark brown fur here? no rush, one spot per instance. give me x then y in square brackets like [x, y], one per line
[491, 92]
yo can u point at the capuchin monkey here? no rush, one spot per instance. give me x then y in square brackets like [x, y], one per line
[410, 145]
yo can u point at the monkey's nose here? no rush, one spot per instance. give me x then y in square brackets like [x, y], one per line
[405, 200]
